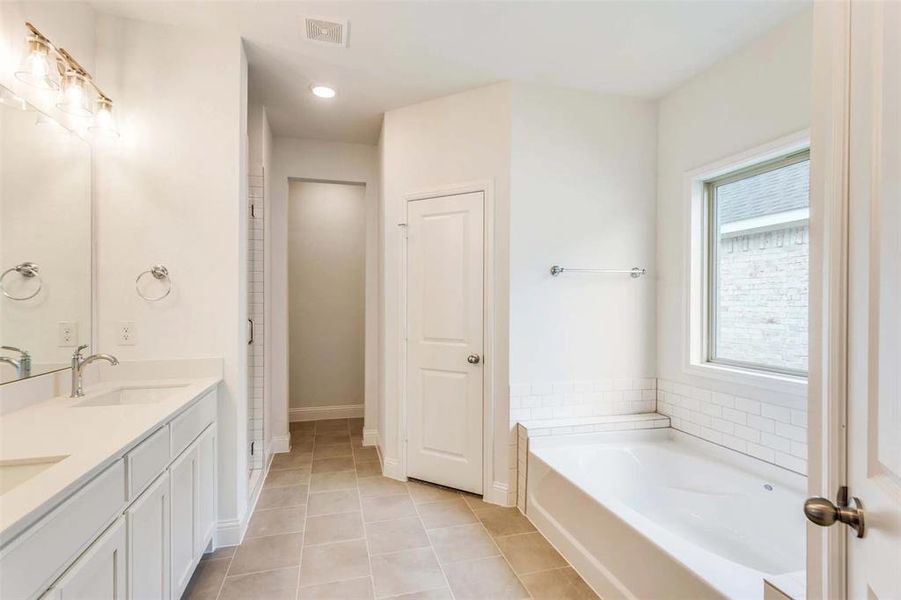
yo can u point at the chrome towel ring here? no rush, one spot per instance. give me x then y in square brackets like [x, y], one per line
[160, 273]
[28, 270]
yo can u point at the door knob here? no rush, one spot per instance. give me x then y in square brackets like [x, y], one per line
[473, 359]
[824, 513]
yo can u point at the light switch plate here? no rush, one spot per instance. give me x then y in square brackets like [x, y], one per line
[127, 333]
[68, 334]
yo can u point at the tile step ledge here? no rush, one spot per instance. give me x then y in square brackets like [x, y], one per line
[593, 424]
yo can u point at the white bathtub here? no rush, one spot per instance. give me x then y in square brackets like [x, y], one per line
[659, 514]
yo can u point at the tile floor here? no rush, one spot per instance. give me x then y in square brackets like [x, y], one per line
[329, 526]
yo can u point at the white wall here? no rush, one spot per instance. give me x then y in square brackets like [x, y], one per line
[319, 161]
[435, 145]
[760, 94]
[173, 191]
[583, 195]
[326, 309]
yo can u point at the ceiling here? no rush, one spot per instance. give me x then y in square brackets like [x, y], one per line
[401, 53]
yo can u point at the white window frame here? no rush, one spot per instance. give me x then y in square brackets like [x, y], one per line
[697, 275]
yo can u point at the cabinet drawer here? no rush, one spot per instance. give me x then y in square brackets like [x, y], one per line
[147, 461]
[189, 424]
[39, 555]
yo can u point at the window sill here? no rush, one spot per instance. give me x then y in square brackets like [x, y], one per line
[786, 384]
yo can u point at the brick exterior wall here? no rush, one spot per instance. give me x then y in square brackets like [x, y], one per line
[763, 292]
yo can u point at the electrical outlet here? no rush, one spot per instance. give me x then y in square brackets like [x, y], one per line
[68, 334]
[127, 333]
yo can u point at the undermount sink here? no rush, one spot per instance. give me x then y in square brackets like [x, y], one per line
[14, 473]
[131, 395]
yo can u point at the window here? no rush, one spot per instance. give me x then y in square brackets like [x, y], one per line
[758, 266]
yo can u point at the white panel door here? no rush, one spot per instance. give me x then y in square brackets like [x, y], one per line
[148, 543]
[445, 267]
[99, 573]
[874, 377]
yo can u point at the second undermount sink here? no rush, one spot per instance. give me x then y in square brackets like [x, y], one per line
[14, 473]
[132, 395]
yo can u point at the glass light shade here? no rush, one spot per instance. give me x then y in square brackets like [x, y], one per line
[38, 69]
[104, 124]
[323, 91]
[75, 99]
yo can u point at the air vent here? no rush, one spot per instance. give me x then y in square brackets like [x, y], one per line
[326, 31]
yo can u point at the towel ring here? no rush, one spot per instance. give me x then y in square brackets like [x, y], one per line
[160, 273]
[27, 270]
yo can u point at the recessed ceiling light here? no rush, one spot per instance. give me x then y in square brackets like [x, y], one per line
[323, 91]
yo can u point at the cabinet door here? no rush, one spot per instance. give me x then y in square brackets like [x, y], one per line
[148, 543]
[183, 508]
[206, 490]
[99, 573]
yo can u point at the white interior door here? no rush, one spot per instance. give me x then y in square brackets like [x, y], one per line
[874, 331]
[445, 266]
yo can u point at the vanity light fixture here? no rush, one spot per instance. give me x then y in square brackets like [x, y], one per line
[323, 91]
[80, 96]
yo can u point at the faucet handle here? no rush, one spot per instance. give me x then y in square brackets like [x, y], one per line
[79, 350]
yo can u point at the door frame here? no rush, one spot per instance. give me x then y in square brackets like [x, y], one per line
[829, 290]
[489, 365]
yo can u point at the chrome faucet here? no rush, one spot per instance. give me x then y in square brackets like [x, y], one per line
[22, 366]
[79, 363]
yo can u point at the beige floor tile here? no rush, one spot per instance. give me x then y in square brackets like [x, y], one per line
[224, 552]
[445, 514]
[529, 552]
[484, 578]
[330, 465]
[381, 486]
[355, 589]
[356, 440]
[291, 460]
[302, 425]
[476, 503]
[439, 594]
[400, 534]
[275, 521]
[384, 508]
[365, 454]
[406, 571]
[328, 482]
[207, 579]
[262, 554]
[355, 426]
[369, 469]
[281, 497]
[426, 492]
[464, 542]
[271, 585]
[332, 451]
[326, 439]
[558, 584]
[501, 520]
[287, 478]
[334, 562]
[326, 529]
[302, 441]
[330, 503]
[330, 425]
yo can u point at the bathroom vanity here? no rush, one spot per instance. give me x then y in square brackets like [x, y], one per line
[111, 495]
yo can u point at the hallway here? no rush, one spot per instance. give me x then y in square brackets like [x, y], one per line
[329, 526]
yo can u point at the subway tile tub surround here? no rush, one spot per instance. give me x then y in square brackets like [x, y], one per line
[540, 401]
[769, 432]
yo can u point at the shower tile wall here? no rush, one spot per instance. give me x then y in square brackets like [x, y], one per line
[255, 313]
[770, 432]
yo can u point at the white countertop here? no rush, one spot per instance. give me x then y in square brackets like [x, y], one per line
[91, 438]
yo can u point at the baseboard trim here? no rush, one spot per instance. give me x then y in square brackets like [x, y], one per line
[498, 493]
[228, 533]
[280, 443]
[370, 437]
[321, 413]
[391, 468]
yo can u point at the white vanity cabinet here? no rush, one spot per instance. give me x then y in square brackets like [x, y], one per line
[135, 531]
[148, 542]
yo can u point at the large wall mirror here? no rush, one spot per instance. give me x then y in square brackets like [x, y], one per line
[45, 241]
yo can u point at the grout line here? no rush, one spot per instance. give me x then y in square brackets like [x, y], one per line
[365, 536]
[501, 552]
[431, 545]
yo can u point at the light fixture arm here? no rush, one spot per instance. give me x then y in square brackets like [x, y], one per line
[66, 61]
